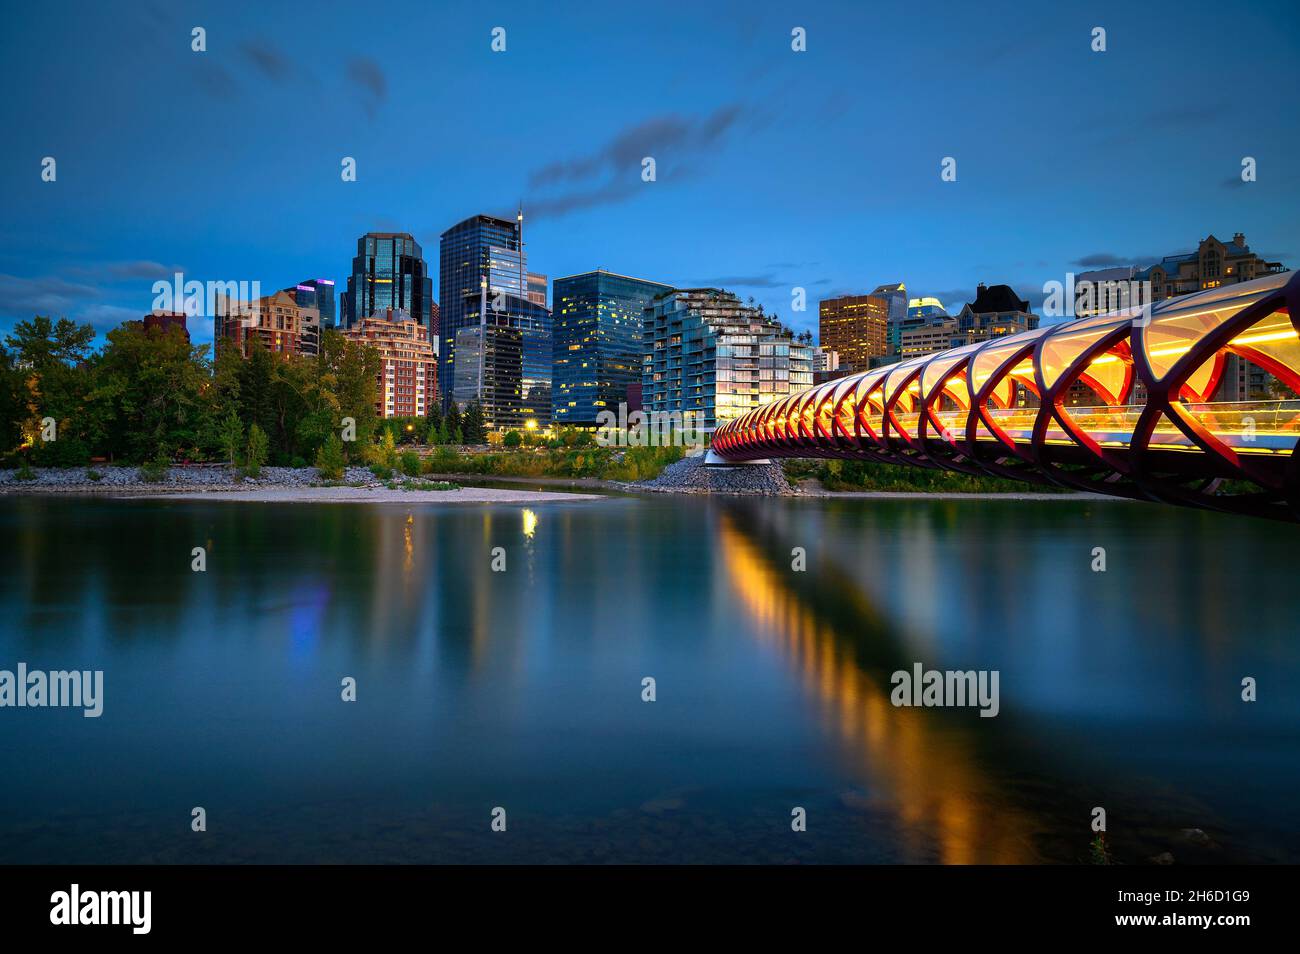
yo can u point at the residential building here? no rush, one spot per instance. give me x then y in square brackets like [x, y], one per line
[825, 359]
[1214, 263]
[709, 357]
[274, 319]
[996, 311]
[597, 326]
[307, 298]
[855, 326]
[166, 320]
[408, 373]
[388, 272]
[1104, 290]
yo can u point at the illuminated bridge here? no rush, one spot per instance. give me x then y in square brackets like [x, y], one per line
[1115, 404]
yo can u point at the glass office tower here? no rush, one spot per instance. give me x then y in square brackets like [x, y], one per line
[388, 271]
[504, 363]
[483, 283]
[597, 323]
[317, 293]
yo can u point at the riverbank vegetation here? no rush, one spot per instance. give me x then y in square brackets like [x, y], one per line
[861, 475]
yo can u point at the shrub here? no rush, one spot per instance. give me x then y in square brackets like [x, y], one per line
[410, 463]
[330, 458]
[512, 439]
[155, 471]
[94, 475]
[381, 471]
[297, 463]
[25, 471]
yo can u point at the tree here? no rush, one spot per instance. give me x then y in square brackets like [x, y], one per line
[388, 450]
[330, 459]
[231, 435]
[13, 402]
[474, 425]
[512, 439]
[148, 395]
[434, 421]
[355, 371]
[255, 456]
[453, 420]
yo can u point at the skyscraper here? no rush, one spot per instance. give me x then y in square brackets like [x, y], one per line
[597, 324]
[484, 304]
[316, 293]
[855, 326]
[388, 272]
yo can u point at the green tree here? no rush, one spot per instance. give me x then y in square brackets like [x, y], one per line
[512, 439]
[231, 435]
[354, 369]
[149, 394]
[453, 421]
[13, 402]
[388, 449]
[255, 455]
[434, 422]
[330, 459]
[474, 425]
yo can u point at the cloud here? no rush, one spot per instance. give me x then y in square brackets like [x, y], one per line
[269, 61]
[151, 271]
[369, 76]
[1101, 260]
[612, 173]
[25, 297]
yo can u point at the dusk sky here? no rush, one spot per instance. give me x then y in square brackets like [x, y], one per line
[775, 169]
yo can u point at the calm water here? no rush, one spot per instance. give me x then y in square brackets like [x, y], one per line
[522, 689]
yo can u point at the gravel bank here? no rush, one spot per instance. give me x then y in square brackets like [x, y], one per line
[118, 480]
[690, 476]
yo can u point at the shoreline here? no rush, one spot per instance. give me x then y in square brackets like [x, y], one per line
[379, 495]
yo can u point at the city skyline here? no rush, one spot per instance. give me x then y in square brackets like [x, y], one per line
[740, 152]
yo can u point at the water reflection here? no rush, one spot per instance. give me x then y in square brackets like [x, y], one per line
[910, 763]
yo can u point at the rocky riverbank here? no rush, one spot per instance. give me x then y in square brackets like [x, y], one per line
[691, 476]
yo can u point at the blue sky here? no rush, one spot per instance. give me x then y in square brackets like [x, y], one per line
[775, 169]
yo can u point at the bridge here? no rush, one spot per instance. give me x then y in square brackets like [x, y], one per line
[1121, 404]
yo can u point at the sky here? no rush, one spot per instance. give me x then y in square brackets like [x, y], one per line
[775, 169]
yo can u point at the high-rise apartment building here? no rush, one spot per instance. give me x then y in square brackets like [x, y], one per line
[597, 324]
[709, 357]
[274, 319]
[388, 272]
[1214, 263]
[855, 326]
[408, 371]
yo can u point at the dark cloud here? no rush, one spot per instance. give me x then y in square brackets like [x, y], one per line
[1102, 260]
[23, 298]
[670, 137]
[368, 75]
[151, 271]
[608, 194]
[612, 173]
[269, 61]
